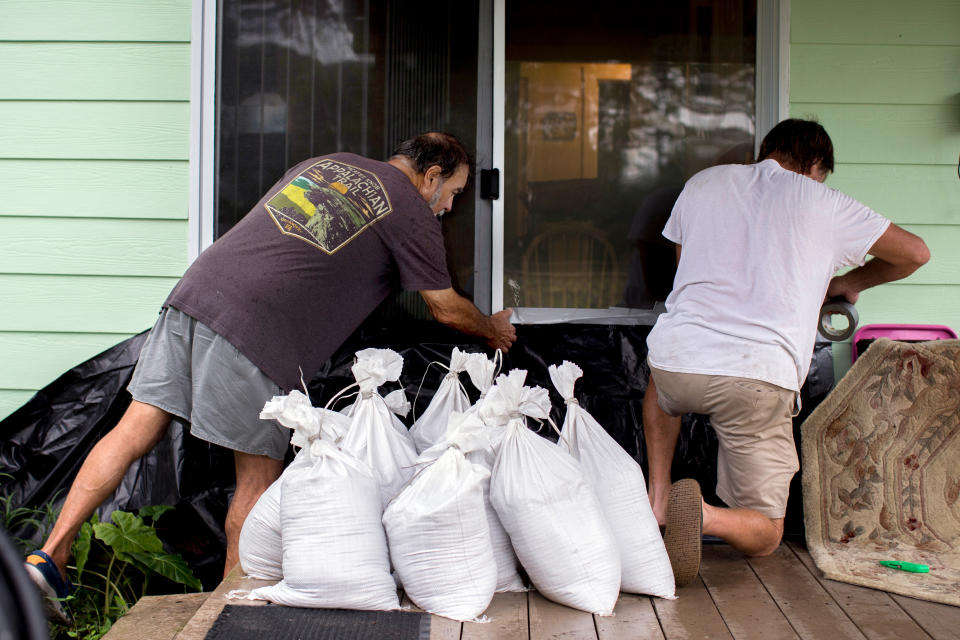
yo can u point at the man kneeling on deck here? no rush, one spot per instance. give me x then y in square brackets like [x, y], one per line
[760, 246]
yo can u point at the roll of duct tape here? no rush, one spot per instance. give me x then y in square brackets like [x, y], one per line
[834, 308]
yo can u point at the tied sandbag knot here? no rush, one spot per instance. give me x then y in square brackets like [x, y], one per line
[366, 395]
[572, 401]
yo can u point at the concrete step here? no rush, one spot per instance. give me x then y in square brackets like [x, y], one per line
[157, 617]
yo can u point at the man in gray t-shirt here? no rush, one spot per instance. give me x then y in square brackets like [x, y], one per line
[269, 302]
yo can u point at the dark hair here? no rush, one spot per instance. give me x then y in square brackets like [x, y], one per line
[802, 142]
[434, 148]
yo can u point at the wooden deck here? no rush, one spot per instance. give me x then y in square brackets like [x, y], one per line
[781, 596]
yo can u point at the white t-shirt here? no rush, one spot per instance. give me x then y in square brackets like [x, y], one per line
[759, 247]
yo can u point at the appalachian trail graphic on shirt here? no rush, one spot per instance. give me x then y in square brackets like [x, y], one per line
[329, 203]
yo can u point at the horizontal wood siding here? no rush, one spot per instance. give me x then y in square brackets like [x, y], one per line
[86, 304]
[137, 189]
[92, 246]
[95, 20]
[74, 71]
[883, 77]
[48, 352]
[95, 131]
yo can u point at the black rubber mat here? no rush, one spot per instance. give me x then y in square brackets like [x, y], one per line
[239, 622]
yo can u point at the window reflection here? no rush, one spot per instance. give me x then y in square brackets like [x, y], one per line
[302, 78]
[608, 113]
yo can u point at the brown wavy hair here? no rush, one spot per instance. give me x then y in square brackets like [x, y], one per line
[802, 142]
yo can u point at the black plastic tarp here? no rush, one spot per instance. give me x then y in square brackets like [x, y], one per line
[44, 442]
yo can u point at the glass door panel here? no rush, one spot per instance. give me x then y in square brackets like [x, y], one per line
[301, 78]
[608, 109]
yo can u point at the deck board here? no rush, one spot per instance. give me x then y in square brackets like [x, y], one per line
[807, 606]
[633, 617]
[744, 603]
[508, 620]
[549, 620]
[440, 628]
[875, 613]
[692, 615]
[941, 621]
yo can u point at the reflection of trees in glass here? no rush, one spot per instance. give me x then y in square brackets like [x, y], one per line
[687, 115]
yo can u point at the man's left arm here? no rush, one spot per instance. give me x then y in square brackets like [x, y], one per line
[896, 254]
[453, 310]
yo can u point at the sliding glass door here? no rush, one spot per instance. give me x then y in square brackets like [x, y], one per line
[594, 114]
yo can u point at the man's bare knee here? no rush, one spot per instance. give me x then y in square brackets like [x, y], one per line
[771, 540]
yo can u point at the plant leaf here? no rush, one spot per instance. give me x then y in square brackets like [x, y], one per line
[169, 565]
[154, 511]
[81, 548]
[129, 535]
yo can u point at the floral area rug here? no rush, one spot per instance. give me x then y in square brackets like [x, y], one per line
[881, 471]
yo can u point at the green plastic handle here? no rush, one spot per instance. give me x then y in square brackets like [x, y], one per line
[906, 566]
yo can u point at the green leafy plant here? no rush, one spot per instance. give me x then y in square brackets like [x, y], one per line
[25, 524]
[116, 563]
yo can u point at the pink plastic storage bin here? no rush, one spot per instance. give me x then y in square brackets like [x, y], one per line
[905, 332]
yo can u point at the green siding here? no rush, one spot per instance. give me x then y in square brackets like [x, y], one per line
[909, 194]
[95, 130]
[48, 352]
[94, 172]
[74, 71]
[95, 20]
[882, 77]
[887, 22]
[86, 304]
[80, 246]
[94, 188]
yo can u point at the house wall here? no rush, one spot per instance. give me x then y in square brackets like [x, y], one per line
[94, 142]
[883, 77]
[94, 124]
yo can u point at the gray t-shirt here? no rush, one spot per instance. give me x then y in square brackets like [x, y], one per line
[326, 245]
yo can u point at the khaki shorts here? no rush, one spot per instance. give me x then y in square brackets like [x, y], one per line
[753, 420]
[187, 369]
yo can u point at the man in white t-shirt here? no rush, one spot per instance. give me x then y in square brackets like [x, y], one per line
[760, 246]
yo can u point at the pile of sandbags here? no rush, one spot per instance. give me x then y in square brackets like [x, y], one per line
[485, 496]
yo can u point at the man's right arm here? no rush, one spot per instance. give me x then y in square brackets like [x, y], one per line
[453, 310]
[896, 254]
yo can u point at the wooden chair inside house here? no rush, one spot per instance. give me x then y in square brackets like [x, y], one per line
[570, 264]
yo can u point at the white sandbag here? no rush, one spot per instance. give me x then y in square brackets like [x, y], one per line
[482, 371]
[622, 490]
[429, 428]
[334, 548]
[505, 558]
[260, 541]
[372, 437]
[437, 528]
[398, 405]
[550, 511]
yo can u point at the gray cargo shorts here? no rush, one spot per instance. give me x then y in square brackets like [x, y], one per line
[187, 369]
